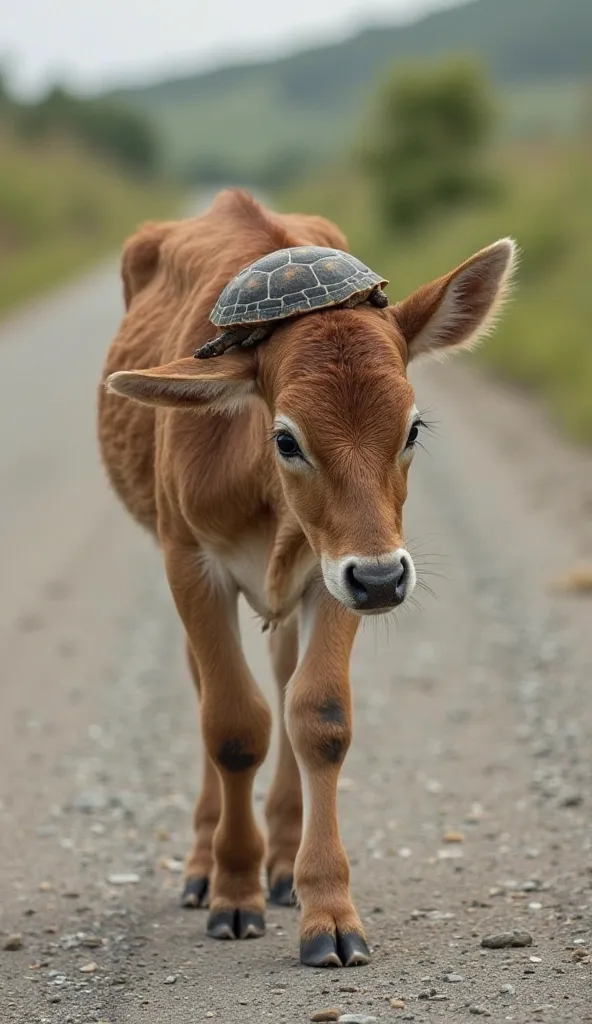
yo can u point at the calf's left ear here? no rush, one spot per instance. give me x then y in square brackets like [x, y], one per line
[456, 310]
[219, 385]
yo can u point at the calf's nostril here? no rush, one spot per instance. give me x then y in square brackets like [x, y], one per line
[355, 583]
[403, 574]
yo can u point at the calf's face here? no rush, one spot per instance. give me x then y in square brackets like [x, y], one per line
[345, 423]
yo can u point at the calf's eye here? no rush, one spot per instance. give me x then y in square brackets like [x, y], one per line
[287, 445]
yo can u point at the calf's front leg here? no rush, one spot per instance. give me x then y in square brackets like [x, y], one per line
[319, 723]
[236, 726]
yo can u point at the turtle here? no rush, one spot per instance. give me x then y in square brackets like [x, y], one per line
[288, 283]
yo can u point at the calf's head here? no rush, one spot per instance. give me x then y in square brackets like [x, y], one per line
[344, 423]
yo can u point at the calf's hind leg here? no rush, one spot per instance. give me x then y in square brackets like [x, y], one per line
[283, 807]
[236, 725]
[205, 820]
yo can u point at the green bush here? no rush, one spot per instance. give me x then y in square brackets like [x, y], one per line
[427, 137]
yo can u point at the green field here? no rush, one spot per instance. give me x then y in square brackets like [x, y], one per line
[543, 342]
[60, 211]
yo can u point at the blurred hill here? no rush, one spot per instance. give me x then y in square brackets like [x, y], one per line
[261, 122]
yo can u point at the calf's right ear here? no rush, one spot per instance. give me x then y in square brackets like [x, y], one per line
[224, 384]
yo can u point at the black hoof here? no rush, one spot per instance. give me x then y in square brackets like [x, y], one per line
[236, 924]
[340, 950]
[194, 892]
[320, 952]
[282, 893]
[353, 950]
[249, 924]
[221, 924]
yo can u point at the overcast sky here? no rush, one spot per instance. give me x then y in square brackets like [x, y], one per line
[93, 43]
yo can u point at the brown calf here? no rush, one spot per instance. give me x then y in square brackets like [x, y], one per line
[289, 490]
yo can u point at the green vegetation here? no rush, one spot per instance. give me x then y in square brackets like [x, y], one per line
[264, 123]
[424, 149]
[74, 181]
[59, 212]
[102, 128]
[543, 340]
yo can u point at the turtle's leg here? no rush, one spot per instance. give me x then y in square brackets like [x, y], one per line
[378, 298]
[218, 346]
[259, 334]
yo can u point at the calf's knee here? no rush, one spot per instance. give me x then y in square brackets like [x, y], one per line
[238, 742]
[320, 731]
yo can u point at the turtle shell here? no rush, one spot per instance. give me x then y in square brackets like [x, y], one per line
[293, 281]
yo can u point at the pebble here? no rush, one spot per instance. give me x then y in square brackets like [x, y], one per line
[452, 836]
[454, 979]
[452, 854]
[508, 990]
[89, 968]
[475, 815]
[90, 800]
[171, 979]
[572, 800]
[356, 1018]
[13, 942]
[173, 865]
[129, 878]
[398, 1004]
[479, 1011]
[504, 940]
[44, 831]
[325, 1015]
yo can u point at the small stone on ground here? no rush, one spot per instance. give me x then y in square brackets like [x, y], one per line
[505, 940]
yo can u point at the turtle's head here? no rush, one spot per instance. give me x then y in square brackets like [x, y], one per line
[343, 419]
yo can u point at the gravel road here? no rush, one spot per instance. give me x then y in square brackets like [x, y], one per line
[466, 799]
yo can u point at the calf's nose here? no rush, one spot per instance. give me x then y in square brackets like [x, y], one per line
[378, 586]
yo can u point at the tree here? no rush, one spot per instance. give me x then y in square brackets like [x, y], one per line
[104, 128]
[424, 151]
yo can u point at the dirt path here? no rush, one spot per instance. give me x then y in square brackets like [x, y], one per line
[473, 716]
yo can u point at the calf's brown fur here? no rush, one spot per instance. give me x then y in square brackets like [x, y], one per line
[194, 459]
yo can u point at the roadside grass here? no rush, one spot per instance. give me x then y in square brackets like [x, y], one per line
[60, 212]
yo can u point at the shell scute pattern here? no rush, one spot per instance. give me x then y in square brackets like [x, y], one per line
[292, 281]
